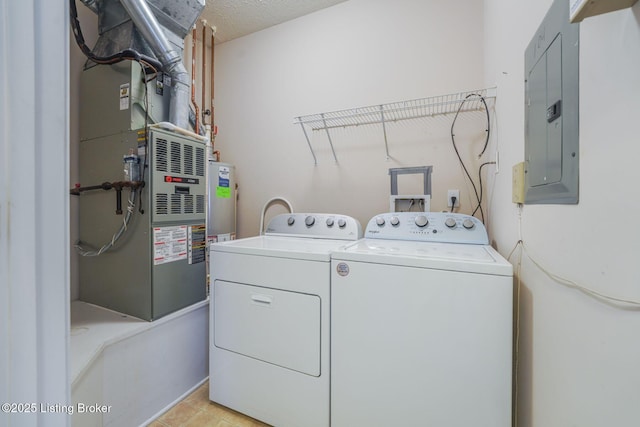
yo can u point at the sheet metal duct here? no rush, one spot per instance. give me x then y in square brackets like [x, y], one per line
[176, 16]
[155, 28]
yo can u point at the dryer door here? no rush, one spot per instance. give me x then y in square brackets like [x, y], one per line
[275, 326]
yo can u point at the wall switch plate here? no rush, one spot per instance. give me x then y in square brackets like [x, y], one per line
[517, 195]
[456, 194]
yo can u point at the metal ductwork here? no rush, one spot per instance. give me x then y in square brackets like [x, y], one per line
[150, 29]
[155, 28]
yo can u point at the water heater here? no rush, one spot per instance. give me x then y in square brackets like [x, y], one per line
[221, 216]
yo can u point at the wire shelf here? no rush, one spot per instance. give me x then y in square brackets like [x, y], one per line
[393, 112]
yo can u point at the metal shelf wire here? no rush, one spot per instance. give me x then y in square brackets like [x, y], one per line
[393, 112]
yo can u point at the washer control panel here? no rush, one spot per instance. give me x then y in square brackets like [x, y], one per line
[315, 225]
[441, 227]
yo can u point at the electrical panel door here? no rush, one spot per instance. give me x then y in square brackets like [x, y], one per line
[552, 110]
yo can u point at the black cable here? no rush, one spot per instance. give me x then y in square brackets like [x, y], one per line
[486, 141]
[146, 126]
[464, 167]
[480, 180]
[127, 54]
[145, 164]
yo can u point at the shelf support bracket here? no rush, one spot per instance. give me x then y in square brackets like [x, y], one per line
[324, 122]
[315, 160]
[384, 130]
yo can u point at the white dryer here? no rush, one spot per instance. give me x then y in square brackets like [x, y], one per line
[269, 330]
[421, 325]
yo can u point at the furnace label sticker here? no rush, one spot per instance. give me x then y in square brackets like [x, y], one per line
[169, 244]
[222, 190]
[197, 243]
[125, 91]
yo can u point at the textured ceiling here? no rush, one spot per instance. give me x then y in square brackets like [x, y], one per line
[237, 18]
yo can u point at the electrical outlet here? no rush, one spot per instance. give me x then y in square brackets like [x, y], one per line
[450, 195]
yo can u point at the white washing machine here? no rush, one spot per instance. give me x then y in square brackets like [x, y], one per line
[270, 326]
[421, 325]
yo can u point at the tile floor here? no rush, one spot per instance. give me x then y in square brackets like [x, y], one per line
[196, 410]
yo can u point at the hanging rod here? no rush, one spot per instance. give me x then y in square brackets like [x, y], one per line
[393, 112]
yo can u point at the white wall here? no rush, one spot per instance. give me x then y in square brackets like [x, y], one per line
[578, 356]
[357, 53]
[89, 25]
[34, 214]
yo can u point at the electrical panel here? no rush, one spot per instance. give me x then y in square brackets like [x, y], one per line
[551, 110]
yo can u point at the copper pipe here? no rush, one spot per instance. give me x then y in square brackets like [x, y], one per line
[213, 39]
[118, 185]
[193, 80]
[204, 68]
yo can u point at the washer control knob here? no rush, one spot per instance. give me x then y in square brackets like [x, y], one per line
[421, 221]
[342, 223]
[380, 221]
[468, 224]
[394, 221]
[309, 221]
[330, 222]
[291, 220]
[450, 222]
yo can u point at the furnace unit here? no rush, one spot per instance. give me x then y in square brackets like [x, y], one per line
[157, 266]
[143, 176]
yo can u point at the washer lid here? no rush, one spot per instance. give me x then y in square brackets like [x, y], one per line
[442, 256]
[282, 247]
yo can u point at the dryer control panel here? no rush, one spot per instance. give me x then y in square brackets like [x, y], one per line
[441, 227]
[315, 225]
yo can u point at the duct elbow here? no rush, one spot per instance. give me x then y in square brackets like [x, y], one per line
[150, 29]
[179, 104]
